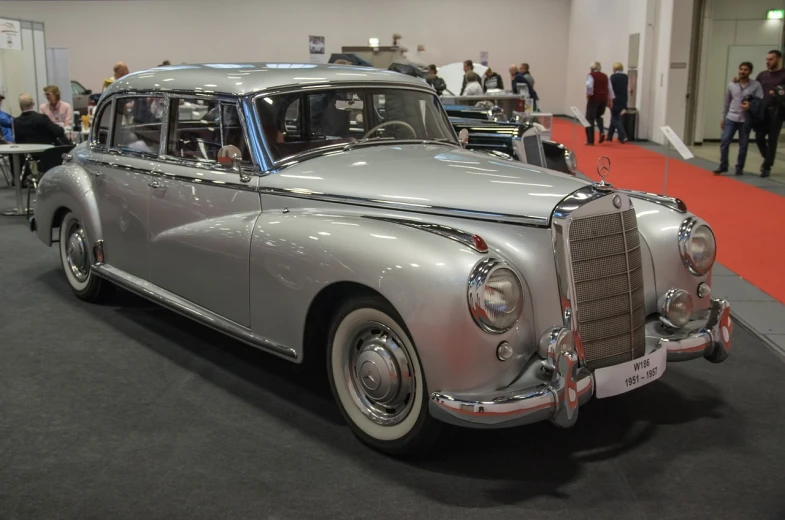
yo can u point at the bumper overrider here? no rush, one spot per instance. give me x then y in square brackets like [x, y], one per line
[555, 388]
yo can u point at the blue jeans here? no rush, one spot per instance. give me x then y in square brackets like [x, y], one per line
[728, 132]
[616, 125]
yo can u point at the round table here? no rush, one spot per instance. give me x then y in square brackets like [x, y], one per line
[16, 151]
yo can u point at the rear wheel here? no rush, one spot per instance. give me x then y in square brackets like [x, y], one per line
[76, 259]
[376, 378]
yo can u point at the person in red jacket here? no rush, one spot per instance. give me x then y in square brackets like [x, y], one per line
[599, 96]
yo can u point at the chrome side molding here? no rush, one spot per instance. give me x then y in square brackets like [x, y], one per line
[189, 309]
[669, 202]
[470, 240]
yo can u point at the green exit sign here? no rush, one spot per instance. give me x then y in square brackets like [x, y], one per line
[775, 14]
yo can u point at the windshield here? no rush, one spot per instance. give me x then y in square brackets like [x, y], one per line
[304, 121]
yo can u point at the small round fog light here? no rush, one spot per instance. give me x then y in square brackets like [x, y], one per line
[676, 308]
[703, 290]
[504, 351]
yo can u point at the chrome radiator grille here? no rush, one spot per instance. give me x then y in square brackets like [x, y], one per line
[606, 268]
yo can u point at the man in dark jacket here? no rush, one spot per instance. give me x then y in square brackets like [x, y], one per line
[435, 81]
[599, 95]
[768, 133]
[468, 66]
[34, 128]
[620, 84]
[491, 80]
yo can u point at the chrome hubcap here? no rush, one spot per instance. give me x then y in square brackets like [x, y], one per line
[76, 253]
[379, 372]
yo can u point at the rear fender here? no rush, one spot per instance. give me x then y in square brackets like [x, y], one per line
[66, 187]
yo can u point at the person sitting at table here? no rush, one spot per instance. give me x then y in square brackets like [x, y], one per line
[34, 128]
[6, 123]
[58, 111]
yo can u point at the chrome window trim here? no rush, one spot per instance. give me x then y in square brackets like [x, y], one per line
[387, 204]
[197, 163]
[275, 165]
[462, 237]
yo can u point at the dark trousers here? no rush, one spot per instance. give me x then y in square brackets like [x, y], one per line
[594, 112]
[616, 125]
[766, 136]
[727, 136]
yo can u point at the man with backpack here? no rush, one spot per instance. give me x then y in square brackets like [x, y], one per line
[737, 116]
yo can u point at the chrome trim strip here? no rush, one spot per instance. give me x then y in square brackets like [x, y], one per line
[420, 208]
[106, 164]
[238, 185]
[462, 237]
[190, 310]
[669, 202]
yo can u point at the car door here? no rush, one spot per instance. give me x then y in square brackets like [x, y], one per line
[124, 151]
[201, 213]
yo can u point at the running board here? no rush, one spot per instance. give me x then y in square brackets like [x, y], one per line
[188, 309]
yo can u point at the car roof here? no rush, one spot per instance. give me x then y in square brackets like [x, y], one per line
[246, 78]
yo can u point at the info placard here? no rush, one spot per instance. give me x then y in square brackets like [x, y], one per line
[580, 117]
[677, 142]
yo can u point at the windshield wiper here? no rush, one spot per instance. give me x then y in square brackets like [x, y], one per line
[367, 140]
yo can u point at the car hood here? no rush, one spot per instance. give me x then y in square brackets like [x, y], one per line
[428, 178]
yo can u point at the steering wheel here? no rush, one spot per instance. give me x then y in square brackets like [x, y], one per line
[390, 123]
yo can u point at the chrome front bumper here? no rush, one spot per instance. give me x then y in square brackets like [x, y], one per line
[554, 389]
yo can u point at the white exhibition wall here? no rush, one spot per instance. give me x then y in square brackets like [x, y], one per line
[144, 33]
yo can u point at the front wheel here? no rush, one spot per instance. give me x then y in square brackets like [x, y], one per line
[377, 379]
[75, 257]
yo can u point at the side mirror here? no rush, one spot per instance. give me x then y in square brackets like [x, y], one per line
[463, 137]
[88, 92]
[230, 156]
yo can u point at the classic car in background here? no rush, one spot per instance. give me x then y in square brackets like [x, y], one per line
[440, 285]
[489, 131]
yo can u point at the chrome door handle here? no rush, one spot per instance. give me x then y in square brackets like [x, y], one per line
[155, 184]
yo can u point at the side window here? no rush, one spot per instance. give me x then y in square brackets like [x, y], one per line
[137, 125]
[199, 128]
[77, 89]
[102, 128]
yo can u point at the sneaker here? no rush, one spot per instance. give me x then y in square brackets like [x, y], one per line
[720, 170]
[587, 143]
[765, 172]
[624, 141]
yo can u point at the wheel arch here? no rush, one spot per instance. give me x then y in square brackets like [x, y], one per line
[321, 312]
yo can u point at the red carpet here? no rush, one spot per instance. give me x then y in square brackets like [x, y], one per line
[749, 222]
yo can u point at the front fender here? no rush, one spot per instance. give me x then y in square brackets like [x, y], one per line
[297, 253]
[659, 228]
[67, 186]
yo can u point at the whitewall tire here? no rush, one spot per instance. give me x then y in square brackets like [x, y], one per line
[376, 378]
[76, 258]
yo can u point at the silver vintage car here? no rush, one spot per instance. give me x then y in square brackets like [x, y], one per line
[329, 213]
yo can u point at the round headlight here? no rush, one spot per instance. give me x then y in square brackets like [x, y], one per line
[572, 161]
[495, 296]
[697, 246]
[676, 308]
